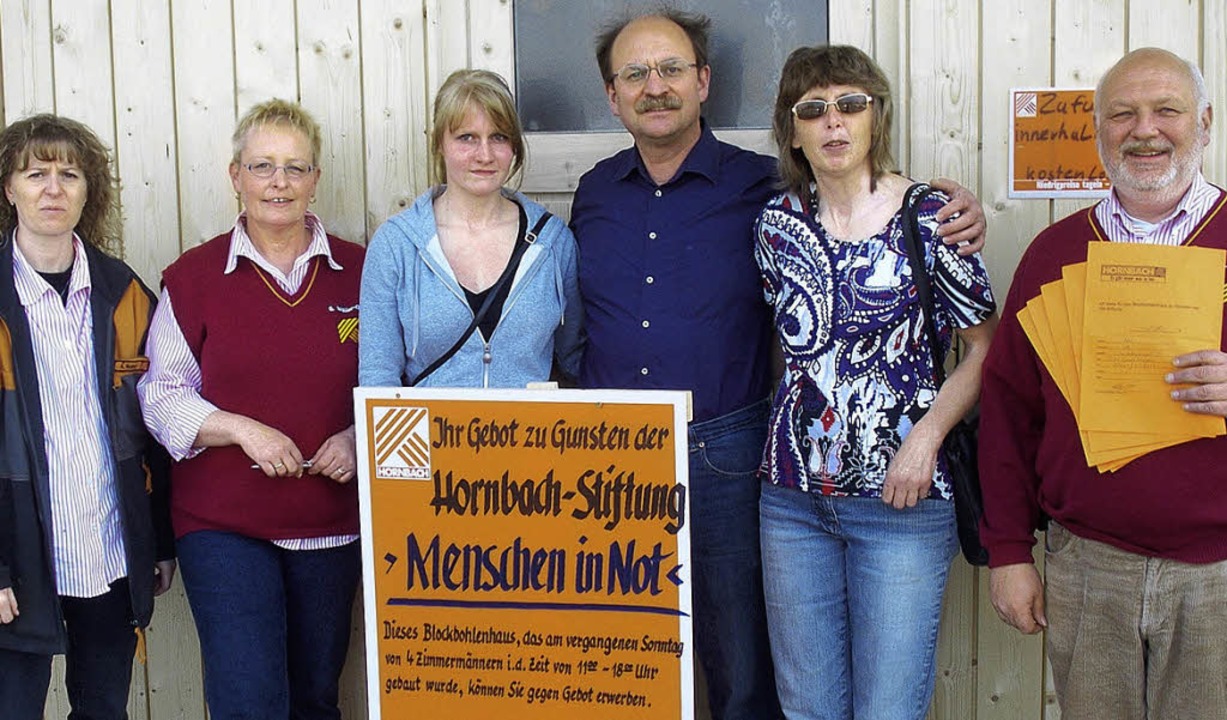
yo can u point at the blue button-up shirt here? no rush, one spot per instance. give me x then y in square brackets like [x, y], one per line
[672, 296]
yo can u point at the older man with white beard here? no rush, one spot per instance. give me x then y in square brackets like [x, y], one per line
[1136, 561]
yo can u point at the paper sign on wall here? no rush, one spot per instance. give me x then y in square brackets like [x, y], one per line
[1052, 145]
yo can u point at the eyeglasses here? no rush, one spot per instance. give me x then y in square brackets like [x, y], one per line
[265, 169]
[668, 70]
[847, 105]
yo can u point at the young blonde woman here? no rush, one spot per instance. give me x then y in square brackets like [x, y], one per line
[434, 268]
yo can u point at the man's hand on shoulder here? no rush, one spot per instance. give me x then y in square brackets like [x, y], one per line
[1018, 596]
[966, 217]
[1205, 371]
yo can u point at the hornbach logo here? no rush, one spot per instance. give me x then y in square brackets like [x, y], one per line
[347, 330]
[402, 443]
[1133, 273]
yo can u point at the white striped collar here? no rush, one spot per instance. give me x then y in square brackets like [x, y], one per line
[242, 246]
[1119, 226]
[31, 287]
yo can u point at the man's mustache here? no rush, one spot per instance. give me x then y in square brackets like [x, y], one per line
[664, 102]
[1143, 146]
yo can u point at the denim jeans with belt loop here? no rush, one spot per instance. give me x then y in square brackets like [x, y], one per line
[854, 597]
[730, 622]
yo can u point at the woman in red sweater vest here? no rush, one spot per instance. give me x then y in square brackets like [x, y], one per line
[253, 359]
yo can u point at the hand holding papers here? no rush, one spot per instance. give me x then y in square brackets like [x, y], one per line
[1202, 380]
[1107, 333]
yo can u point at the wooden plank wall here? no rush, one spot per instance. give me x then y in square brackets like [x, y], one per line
[163, 83]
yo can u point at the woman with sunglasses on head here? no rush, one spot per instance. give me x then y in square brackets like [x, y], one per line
[475, 285]
[857, 519]
[254, 358]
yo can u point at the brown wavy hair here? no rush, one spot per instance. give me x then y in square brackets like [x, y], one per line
[824, 66]
[49, 138]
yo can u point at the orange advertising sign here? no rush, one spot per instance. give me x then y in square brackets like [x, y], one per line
[1052, 145]
[526, 553]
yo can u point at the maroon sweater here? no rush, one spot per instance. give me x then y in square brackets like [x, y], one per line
[290, 362]
[1169, 503]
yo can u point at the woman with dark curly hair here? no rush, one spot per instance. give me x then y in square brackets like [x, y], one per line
[85, 540]
[42, 137]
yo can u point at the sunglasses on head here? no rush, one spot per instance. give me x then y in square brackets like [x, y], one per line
[847, 105]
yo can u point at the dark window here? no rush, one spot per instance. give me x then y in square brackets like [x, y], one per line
[559, 89]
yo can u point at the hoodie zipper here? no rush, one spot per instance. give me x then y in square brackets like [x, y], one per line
[512, 296]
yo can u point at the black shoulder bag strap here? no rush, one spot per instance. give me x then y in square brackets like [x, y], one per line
[920, 276]
[512, 263]
[960, 443]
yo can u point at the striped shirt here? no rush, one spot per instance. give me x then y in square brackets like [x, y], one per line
[1171, 230]
[87, 533]
[170, 390]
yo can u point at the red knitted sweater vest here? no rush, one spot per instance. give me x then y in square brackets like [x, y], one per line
[1168, 503]
[290, 362]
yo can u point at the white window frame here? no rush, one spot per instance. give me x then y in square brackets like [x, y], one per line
[557, 160]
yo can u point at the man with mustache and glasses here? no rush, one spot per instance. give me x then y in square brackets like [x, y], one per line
[673, 300]
[1135, 601]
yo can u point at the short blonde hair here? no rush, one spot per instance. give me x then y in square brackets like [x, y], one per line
[278, 113]
[465, 89]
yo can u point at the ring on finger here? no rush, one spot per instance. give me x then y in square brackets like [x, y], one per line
[278, 465]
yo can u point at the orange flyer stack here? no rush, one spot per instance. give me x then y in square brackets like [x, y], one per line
[1107, 332]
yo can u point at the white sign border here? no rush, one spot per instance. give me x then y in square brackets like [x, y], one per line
[680, 401]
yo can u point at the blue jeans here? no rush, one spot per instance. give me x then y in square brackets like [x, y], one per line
[854, 598]
[730, 622]
[273, 623]
[97, 667]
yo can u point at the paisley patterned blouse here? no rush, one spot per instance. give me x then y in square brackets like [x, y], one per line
[858, 369]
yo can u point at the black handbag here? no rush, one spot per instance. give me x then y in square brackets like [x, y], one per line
[960, 444]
